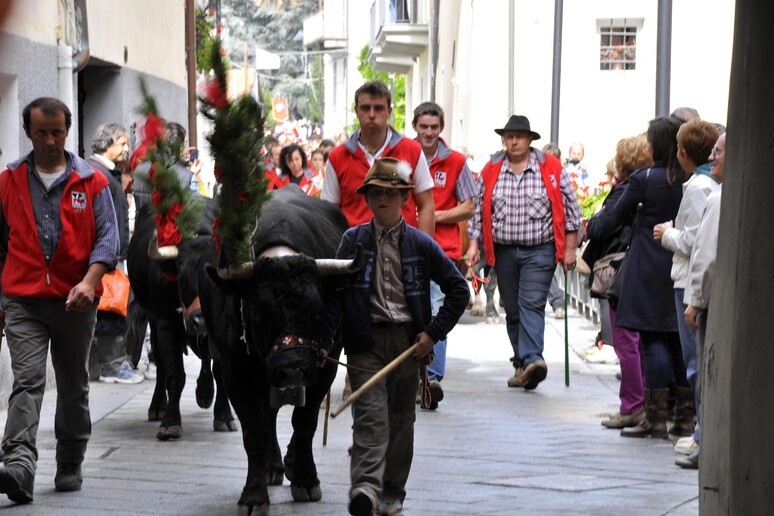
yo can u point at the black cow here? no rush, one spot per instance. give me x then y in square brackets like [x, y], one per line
[265, 317]
[166, 285]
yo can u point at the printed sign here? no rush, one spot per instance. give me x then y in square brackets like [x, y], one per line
[440, 179]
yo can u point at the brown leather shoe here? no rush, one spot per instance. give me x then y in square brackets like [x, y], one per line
[515, 380]
[619, 420]
[533, 374]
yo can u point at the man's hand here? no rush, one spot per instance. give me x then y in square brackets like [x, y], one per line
[660, 229]
[691, 315]
[570, 255]
[472, 254]
[322, 355]
[81, 297]
[425, 346]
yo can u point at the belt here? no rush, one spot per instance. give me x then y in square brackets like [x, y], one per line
[386, 325]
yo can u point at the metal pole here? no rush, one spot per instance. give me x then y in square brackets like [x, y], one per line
[511, 55]
[663, 57]
[190, 64]
[556, 80]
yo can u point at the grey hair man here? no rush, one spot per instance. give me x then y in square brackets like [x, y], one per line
[110, 147]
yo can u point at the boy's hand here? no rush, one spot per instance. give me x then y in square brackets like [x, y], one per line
[425, 346]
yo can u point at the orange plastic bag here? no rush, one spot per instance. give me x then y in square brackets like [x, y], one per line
[115, 295]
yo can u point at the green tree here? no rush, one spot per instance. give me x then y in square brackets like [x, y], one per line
[398, 90]
[275, 26]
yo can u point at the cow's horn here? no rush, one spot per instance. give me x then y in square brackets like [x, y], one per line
[168, 252]
[327, 267]
[239, 271]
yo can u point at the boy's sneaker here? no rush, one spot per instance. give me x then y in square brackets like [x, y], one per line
[150, 371]
[125, 375]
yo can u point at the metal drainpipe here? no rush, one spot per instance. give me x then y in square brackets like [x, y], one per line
[556, 82]
[65, 66]
[190, 64]
[435, 7]
[511, 55]
[663, 57]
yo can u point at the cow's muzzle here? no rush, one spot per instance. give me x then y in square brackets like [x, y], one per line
[294, 394]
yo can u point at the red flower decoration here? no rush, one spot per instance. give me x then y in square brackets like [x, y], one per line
[154, 129]
[217, 173]
[215, 95]
[168, 233]
[174, 211]
[157, 197]
[242, 196]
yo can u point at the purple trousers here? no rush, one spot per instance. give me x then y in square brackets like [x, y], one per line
[629, 351]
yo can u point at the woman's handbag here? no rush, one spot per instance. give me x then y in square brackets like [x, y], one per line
[604, 272]
[613, 293]
[115, 293]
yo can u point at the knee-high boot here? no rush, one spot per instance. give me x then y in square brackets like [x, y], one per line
[685, 410]
[654, 422]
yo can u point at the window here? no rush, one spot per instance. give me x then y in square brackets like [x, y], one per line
[618, 46]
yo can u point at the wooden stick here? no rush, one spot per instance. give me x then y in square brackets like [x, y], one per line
[325, 421]
[375, 378]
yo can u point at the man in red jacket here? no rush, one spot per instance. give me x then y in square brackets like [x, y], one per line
[453, 192]
[527, 218]
[58, 236]
[348, 163]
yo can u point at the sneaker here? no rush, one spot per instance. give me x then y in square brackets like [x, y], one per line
[436, 394]
[686, 445]
[125, 375]
[606, 355]
[594, 348]
[559, 313]
[150, 371]
[68, 477]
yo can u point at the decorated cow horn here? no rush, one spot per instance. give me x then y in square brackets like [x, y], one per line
[327, 267]
[167, 252]
[238, 271]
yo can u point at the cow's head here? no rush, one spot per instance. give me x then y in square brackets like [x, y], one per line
[182, 265]
[283, 297]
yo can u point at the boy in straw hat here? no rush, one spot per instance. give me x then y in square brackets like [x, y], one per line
[383, 311]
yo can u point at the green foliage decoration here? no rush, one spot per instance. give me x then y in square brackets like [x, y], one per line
[235, 142]
[177, 210]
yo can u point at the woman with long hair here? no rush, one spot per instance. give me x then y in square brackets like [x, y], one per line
[646, 304]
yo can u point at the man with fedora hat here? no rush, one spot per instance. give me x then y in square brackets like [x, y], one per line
[527, 219]
[383, 310]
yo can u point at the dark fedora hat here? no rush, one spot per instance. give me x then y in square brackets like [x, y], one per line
[518, 123]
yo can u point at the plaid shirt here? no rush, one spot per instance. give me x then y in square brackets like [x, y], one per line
[521, 210]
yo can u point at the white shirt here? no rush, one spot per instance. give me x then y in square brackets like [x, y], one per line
[332, 191]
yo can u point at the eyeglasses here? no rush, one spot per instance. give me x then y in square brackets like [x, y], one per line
[717, 152]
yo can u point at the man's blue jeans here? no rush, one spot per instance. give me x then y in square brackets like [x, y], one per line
[437, 369]
[524, 275]
[687, 340]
